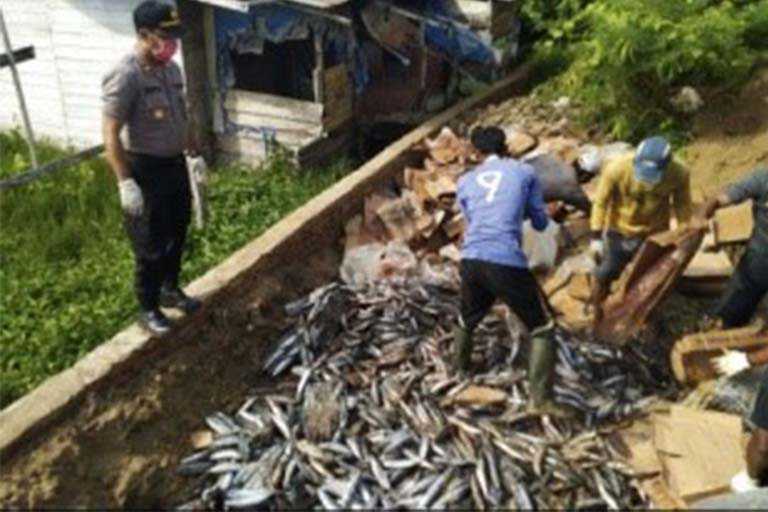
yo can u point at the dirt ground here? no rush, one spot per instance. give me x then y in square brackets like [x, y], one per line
[731, 138]
[120, 449]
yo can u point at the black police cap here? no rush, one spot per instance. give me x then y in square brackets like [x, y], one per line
[154, 15]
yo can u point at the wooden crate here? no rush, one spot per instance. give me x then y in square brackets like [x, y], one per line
[692, 356]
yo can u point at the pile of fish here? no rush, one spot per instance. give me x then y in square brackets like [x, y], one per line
[376, 418]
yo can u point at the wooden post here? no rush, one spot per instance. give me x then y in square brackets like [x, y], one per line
[424, 53]
[318, 73]
[19, 91]
[196, 72]
[209, 29]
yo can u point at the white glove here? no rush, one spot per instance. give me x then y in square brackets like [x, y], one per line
[596, 249]
[731, 363]
[130, 197]
[198, 169]
[742, 482]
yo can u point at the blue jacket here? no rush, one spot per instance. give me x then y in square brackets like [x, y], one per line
[495, 198]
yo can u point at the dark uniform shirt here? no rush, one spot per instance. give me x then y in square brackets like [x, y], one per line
[150, 101]
[559, 181]
[760, 413]
[755, 187]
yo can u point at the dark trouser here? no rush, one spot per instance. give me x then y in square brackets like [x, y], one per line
[619, 251]
[158, 235]
[746, 288]
[483, 282]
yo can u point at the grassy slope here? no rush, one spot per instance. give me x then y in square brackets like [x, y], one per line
[66, 267]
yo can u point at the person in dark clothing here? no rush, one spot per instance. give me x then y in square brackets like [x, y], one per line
[560, 181]
[749, 282]
[495, 198]
[144, 102]
[757, 449]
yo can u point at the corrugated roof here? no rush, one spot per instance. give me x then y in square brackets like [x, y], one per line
[242, 5]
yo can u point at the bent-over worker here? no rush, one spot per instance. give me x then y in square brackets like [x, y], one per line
[560, 181]
[495, 198]
[635, 198]
[144, 94]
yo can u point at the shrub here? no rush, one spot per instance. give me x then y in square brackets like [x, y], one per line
[622, 60]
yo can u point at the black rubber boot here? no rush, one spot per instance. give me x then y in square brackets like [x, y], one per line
[176, 298]
[462, 350]
[541, 372]
[155, 322]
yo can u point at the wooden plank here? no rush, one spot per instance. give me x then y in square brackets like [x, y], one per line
[338, 97]
[50, 168]
[239, 144]
[19, 56]
[318, 73]
[644, 459]
[661, 495]
[476, 12]
[733, 224]
[209, 29]
[699, 450]
[241, 147]
[279, 123]
[691, 356]
[277, 106]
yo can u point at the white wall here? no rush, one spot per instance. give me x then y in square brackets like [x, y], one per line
[76, 42]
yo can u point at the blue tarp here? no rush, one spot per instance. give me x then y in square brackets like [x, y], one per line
[454, 40]
[247, 32]
[460, 44]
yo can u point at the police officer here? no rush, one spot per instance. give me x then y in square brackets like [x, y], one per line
[145, 135]
[495, 198]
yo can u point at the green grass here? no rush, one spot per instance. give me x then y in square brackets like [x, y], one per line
[66, 270]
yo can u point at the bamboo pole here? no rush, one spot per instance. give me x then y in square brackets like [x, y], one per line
[19, 91]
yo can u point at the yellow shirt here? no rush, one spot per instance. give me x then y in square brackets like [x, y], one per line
[634, 208]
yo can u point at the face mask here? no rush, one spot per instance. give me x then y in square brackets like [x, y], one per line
[164, 51]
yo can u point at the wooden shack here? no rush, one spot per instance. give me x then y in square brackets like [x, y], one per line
[307, 75]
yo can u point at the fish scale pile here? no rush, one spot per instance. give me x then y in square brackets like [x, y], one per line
[378, 420]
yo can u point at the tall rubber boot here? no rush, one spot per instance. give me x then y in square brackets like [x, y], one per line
[462, 350]
[541, 372]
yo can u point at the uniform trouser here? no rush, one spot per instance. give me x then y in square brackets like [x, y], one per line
[746, 288]
[483, 282]
[158, 234]
[619, 251]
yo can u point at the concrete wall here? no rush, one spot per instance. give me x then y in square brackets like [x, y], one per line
[299, 239]
[76, 42]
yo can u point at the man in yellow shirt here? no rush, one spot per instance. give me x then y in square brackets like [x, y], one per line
[634, 200]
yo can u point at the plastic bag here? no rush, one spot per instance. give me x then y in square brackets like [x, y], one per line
[374, 262]
[397, 259]
[541, 247]
[198, 177]
[737, 394]
[443, 275]
[359, 263]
